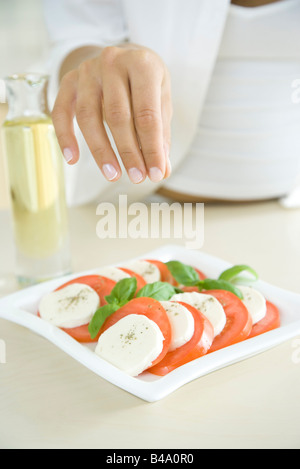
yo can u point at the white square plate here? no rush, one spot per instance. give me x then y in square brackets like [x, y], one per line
[21, 308]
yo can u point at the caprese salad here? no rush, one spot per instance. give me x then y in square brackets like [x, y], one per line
[155, 316]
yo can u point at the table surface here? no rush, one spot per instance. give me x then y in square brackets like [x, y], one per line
[49, 400]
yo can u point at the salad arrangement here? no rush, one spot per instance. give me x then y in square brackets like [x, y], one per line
[155, 317]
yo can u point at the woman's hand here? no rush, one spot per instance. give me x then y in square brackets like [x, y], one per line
[129, 88]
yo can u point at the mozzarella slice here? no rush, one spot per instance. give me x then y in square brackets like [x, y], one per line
[132, 344]
[182, 323]
[148, 271]
[72, 306]
[208, 305]
[113, 273]
[255, 302]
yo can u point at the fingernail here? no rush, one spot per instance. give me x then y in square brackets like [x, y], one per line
[110, 172]
[135, 175]
[155, 174]
[68, 155]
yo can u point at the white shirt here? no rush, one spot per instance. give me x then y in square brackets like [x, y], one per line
[189, 37]
[247, 145]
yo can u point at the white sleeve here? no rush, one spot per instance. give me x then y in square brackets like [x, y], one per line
[75, 23]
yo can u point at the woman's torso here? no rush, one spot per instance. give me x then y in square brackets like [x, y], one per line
[248, 140]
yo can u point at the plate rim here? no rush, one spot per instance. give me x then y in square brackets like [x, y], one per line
[158, 388]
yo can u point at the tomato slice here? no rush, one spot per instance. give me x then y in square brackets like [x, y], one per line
[198, 346]
[150, 308]
[201, 274]
[165, 274]
[103, 286]
[239, 321]
[140, 280]
[81, 334]
[270, 322]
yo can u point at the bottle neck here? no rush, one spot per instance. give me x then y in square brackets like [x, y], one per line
[27, 96]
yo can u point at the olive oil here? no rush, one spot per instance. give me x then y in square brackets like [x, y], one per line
[37, 192]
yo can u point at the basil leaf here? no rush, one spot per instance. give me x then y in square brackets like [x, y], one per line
[99, 317]
[232, 274]
[184, 274]
[211, 284]
[160, 291]
[178, 290]
[123, 291]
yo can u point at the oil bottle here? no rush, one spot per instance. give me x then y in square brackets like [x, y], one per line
[36, 182]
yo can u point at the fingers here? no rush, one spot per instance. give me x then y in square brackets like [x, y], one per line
[62, 117]
[90, 120]
[145, 85]
[80, 95]
[118, 114]
[167, 112]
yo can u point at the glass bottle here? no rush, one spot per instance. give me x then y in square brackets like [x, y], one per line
[36, 182]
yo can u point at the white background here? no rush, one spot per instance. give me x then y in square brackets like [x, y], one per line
[23, 38]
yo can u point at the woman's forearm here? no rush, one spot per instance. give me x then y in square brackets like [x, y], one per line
[253, 3]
